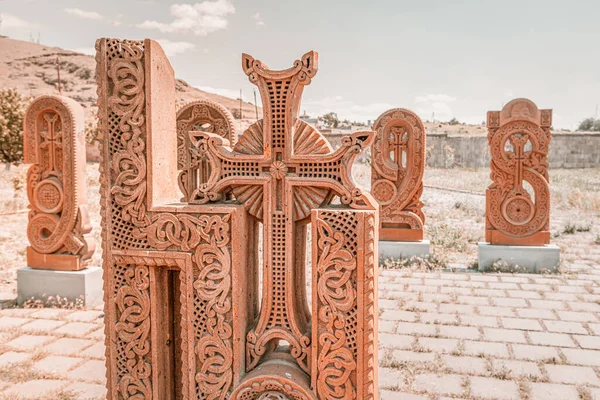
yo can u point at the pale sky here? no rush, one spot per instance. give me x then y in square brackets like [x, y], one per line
[457, 58]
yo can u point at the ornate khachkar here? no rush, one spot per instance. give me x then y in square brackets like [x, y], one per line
[183, 314]
[518, 200]
[205, 116]
[398, 163]
[59, 228]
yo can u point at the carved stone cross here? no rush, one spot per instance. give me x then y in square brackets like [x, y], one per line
[280, 181]
[51, 140]
[515, 216]
[400, 146]
[181, 277]
[397, 183]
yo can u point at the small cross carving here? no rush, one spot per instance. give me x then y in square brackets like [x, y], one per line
[52, 139]
[399, 145]
[280, 169]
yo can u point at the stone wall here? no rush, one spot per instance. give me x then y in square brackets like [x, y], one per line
[567, 150]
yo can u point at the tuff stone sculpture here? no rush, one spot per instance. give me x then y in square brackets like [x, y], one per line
[518, 200]
[58, 229]
[183, 318]
[398, 163]
[207, 116]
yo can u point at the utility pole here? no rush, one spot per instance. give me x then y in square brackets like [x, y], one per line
[58, 73]
[241, 110]
[256, 107]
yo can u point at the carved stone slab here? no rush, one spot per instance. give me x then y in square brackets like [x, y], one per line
[206, 116]
[518, 200]
[58, 229]
[398, 164]
[183, 318]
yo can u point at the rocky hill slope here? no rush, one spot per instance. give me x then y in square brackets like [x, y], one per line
[32, 69]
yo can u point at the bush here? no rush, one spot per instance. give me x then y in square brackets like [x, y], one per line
[590, 124]
[91, 129]
[12, 110]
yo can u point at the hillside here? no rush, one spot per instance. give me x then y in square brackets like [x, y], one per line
[31, 68]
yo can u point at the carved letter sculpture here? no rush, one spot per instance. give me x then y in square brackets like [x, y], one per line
[398, 159]
[59, 227]
[518, 200]
[206, 116]
[183, 318]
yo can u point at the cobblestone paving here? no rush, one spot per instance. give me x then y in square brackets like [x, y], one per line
[442, 335]
[490, 336]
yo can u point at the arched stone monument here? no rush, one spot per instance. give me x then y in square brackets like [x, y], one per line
[58, 229]
[206, 116]
[398, 164]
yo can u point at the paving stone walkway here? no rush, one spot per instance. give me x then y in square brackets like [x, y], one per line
[442, 335]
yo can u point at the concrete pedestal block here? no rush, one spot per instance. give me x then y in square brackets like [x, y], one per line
[41, 283]
[397, 250]
[532, 259]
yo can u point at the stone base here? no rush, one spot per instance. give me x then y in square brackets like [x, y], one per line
[57, 262]
[397, 250]
[532, 259]
[39, 284]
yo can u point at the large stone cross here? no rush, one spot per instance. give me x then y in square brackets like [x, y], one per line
[281, 169]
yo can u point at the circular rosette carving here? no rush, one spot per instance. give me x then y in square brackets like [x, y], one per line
[384, 191]
[278, 169]
[518, 210]
[48, 196]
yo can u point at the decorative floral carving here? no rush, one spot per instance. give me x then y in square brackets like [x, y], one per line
[337, 295]
[133, 332]
[398, 163]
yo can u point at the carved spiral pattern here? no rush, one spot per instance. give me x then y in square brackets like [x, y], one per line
[510, 209]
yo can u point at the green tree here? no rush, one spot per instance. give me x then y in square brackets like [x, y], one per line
[12, 110]
[453, 121]
[330, 119]
[590, 124]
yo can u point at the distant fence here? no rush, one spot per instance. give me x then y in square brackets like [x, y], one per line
[567, 150]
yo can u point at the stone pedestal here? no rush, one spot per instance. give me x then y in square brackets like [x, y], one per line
[532, 259]
[397, 250]
[41, 283]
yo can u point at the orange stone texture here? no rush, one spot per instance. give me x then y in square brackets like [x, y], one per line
[184, 314]
[518, 200]
[398, 164]
[59, 229]
[206, 116]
